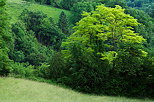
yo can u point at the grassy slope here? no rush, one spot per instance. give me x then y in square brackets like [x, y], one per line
[15, 7]
[19, 90]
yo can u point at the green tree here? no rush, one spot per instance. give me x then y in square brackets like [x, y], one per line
[146, 26]
[110, 25]
[45, 30]
[63, 23]
[151, 10]
[57, 66]
[67, 4]
[50, 34]
[104, 36]
[4, 40]
[26, 47]
[112, 3]
[79, 7]
[33, 20]
[55, 3]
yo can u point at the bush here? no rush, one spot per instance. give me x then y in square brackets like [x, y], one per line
[53, 70]
[22, 69]
[35, 59]
[4, 63]
[57, 66]
[42, 70]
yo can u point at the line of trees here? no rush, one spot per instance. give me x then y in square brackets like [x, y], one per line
[5, 39]
[145, 5]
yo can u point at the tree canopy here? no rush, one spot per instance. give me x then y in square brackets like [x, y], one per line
[5, 39]
[104, 42]
[106, 27]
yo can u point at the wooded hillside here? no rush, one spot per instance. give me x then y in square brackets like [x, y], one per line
[92, 46]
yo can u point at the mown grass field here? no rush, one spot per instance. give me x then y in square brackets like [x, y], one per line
[15, 8]
[20, 90]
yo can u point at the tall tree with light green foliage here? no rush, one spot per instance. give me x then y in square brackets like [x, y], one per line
[101, 36]
[104, 29]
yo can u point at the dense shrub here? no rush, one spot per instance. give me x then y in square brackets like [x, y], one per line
[45, 30]
[26, 47]
[22, 69]
[36, 59]
[57, 66]
[4, 63]
[42, 70]
[79, 7]
[5, 40]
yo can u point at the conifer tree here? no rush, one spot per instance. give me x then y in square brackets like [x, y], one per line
[63, 23]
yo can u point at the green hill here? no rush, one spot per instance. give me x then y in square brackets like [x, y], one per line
[20, 90]
[15, 7]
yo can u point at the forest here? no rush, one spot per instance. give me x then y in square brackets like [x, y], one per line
[106, 47]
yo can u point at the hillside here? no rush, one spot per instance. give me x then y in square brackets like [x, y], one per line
[109, 51]
[15, 8]
[20, 90]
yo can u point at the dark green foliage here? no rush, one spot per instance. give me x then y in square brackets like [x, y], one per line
[50, 35]
[80, 7]
[139, 3]
[24, 40]
[26, 47]
[150, 10]
[145, 5]
[57, 67]
[63, 23]
[146, 28]
[88, 73]
[130, 75]
[129, 60]
[112, 3]
[22, 70]
[67, 4]
[149, 73]
[42, 70]
[36, 59]
[4, 63]
[46, 31]
[127, 76]
[85, 72]
[39, 1]
[55, 3]
[5, 39]
[33, 20]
